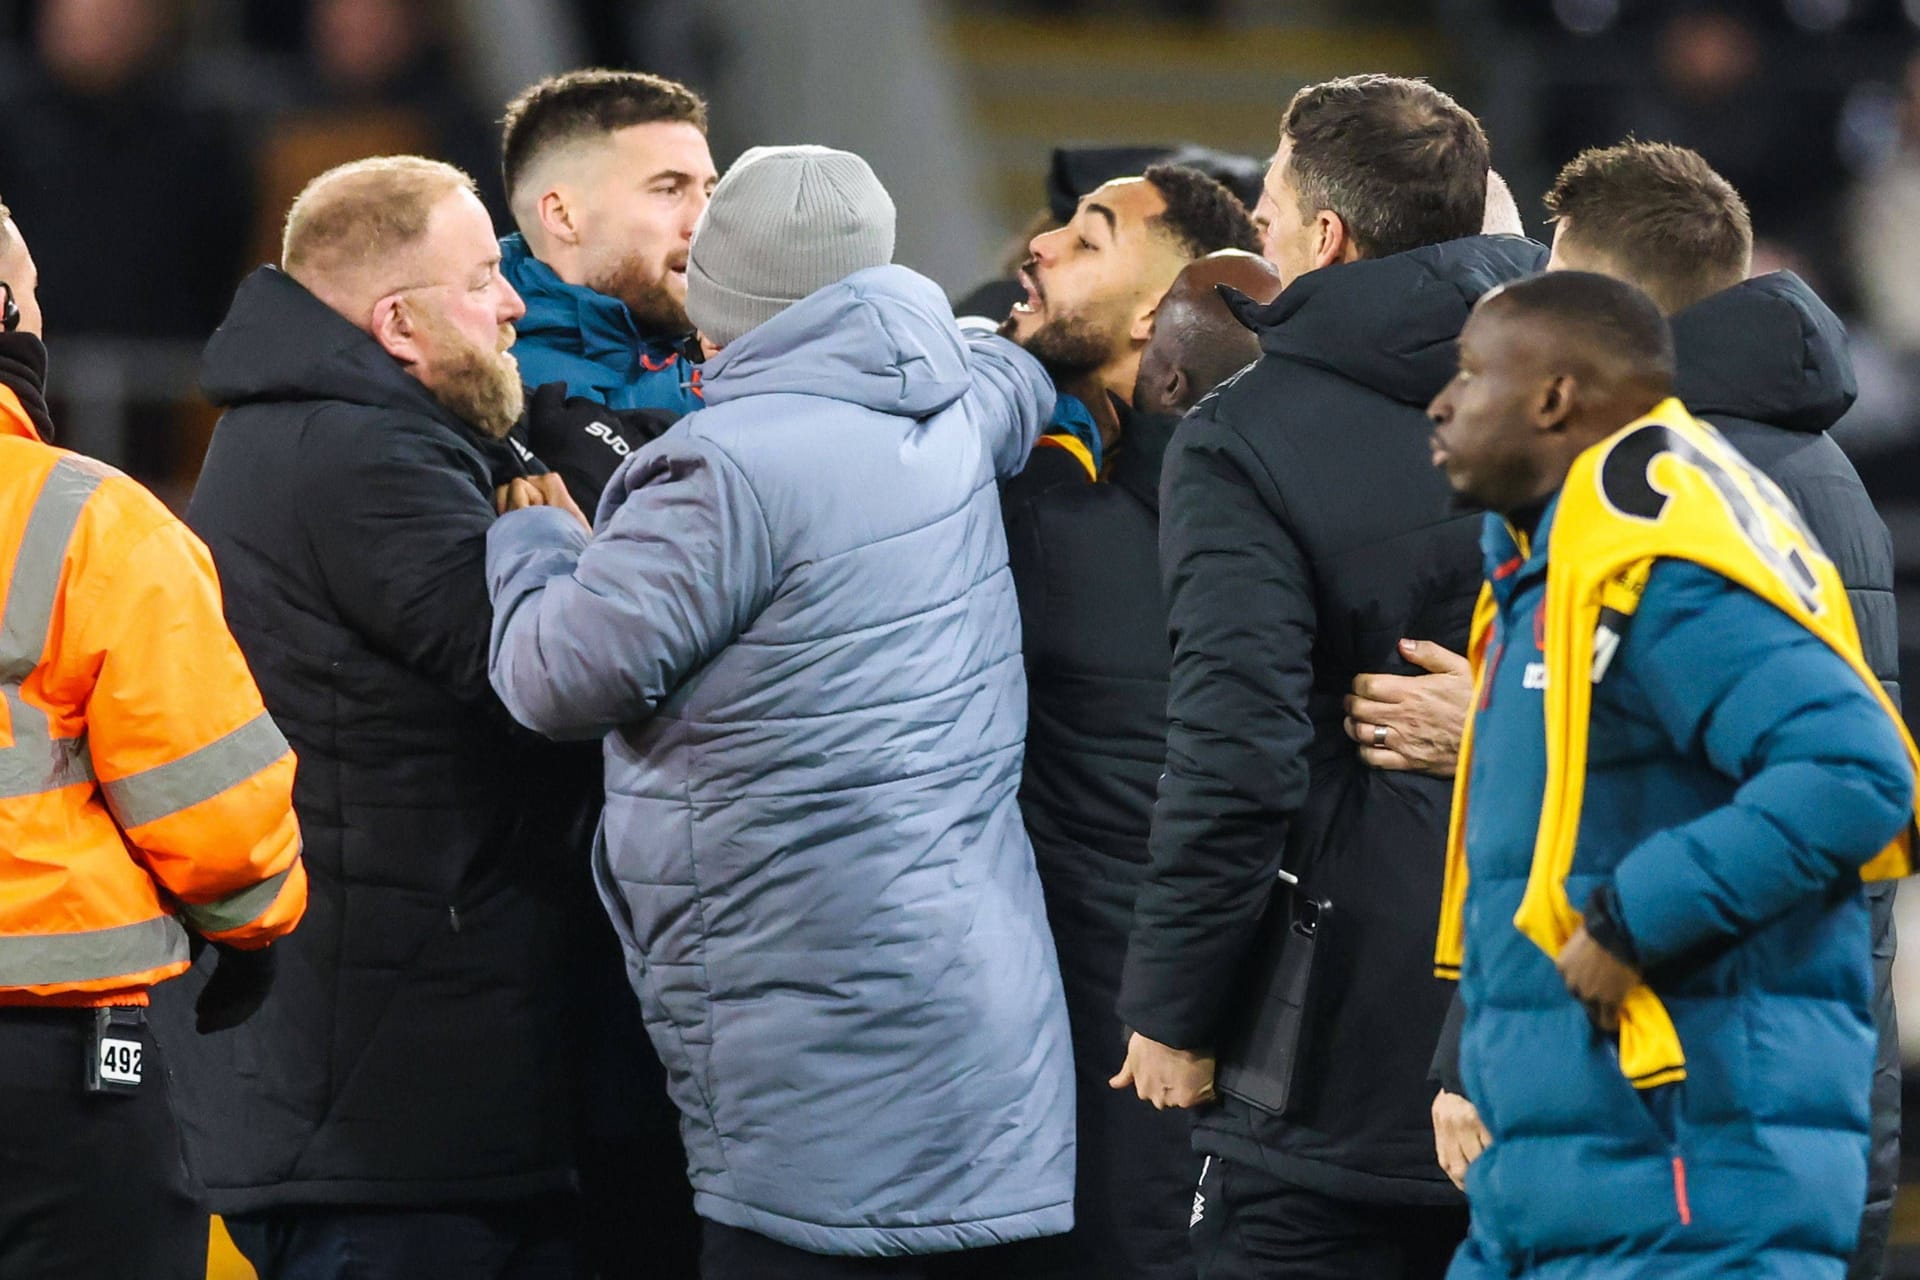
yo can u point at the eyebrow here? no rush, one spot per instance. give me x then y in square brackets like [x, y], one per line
[1113, 223]
[669, 175]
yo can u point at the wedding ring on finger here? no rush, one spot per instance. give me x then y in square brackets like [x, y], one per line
[1380, 736]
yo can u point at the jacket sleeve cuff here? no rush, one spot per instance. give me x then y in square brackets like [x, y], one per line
[1158, 1011]
[1445, 1070]
[1607, 926]
[533, 534]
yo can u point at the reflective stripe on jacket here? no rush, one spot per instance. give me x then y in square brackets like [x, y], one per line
[144, 791]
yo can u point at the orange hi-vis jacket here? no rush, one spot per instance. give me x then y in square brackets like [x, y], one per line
[144, 791]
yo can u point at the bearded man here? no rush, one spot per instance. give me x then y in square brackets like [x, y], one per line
[1082, 526]
[607, 172]
[402, 1098]
[1093, 285]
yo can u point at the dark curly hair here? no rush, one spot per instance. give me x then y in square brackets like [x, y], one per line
[1202, 216]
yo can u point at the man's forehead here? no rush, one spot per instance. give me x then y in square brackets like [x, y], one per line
[1501, 331]
[659, 144]
[1277, 163]
[632, 153]
[1485, 327]
[459, 220]
[459, 239]
[1132, 200]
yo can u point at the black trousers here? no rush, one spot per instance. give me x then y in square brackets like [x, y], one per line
[532, 1240]
[1135, 1167]
[1134, 1185]
[1249, 1225]
[728, 1253]
[91, 1185]
[636, 1204]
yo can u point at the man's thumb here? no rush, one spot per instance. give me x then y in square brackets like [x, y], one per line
[1436, 658]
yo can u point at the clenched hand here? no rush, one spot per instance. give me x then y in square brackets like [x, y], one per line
[1165, 1076]
[538, 491]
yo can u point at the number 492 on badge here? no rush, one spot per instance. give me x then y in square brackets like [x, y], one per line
[118, 1058]
[120, 1061]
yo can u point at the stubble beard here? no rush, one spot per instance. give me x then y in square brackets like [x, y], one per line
[656, 309]
[1069, 347]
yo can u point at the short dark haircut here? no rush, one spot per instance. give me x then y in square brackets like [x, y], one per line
[1403, 164]
[1603, 321]
[1202, 216]
[1660, 215]
[588, 104]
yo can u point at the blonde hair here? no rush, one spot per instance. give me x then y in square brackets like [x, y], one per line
[363, 214]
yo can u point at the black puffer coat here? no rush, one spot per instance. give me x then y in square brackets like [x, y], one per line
[414, 1050]
[1303, 533]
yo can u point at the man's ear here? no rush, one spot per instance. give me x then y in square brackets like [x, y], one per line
[557, 216]
[1555, 404]
[1334, 242]
[1178, 386]
[396, 330]
[1142, 328]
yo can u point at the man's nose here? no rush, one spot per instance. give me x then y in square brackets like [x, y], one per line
[696, 206]
[512, 305]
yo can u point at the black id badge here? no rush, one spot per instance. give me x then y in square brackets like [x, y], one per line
[116, 1051]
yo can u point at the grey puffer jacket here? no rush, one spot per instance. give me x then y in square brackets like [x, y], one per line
[796, 625]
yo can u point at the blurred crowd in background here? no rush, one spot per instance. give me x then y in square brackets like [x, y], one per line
[153, 145]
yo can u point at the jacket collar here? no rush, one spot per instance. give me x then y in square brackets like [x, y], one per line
[1140, 453]
[1071, 417]
[571, 316]
[1389, 324]
[23, 381]
[1512, 557]
[1767, 350]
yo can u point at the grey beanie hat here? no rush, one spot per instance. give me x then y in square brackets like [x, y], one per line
[784, 222]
